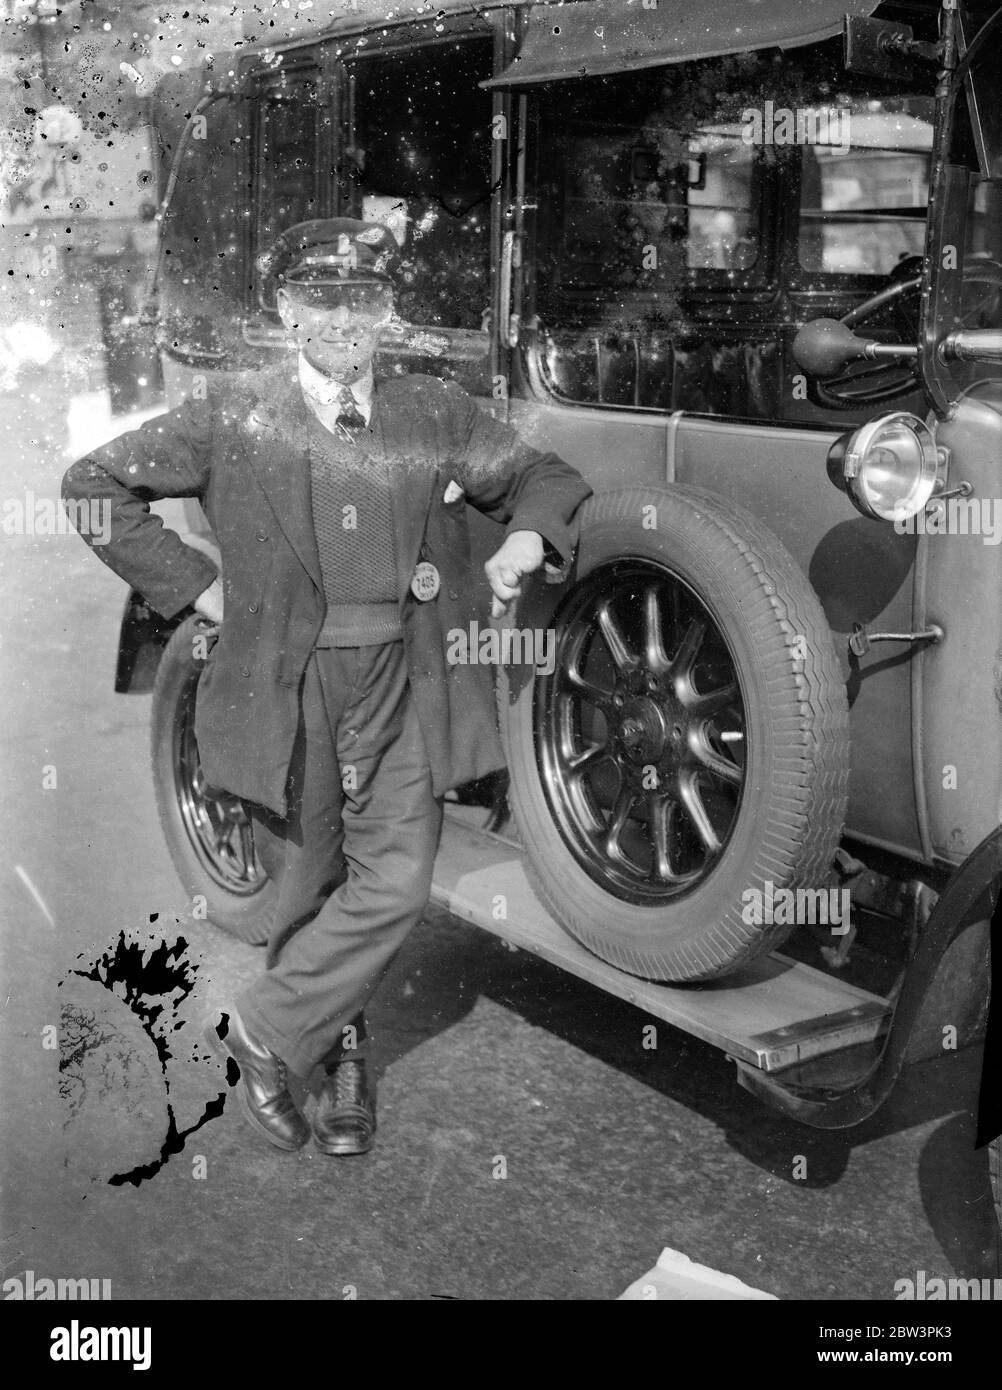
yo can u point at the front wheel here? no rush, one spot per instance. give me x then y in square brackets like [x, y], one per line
[683, 755]
[208, 832]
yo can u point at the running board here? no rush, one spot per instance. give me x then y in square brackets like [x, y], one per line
[772, 1014]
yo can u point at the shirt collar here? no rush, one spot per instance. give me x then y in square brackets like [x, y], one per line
[322, 390]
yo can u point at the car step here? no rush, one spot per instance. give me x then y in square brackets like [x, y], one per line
[771, 1014]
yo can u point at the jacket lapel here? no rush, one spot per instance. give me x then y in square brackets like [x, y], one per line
[410, 503]
[278, 452]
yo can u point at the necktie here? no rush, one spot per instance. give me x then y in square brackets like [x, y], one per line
[350, 418]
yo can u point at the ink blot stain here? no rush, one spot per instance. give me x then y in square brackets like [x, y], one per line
[118, 1021]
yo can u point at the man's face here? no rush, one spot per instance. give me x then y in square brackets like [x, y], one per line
[337, 328]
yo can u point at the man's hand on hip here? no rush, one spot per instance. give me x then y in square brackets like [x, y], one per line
[210, 602]
[521, 554]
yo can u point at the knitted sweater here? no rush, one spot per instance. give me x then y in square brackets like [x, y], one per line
[353, 522]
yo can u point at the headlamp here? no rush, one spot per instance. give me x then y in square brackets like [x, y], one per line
[888, 467]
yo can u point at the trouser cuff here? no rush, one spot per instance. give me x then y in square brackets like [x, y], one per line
[294, 1058]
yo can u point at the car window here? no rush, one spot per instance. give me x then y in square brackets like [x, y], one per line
[420, 143]
[864, 190]
[634, 208]
[641, 202]
[622, 188]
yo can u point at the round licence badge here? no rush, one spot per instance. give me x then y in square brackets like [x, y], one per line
[425, 582]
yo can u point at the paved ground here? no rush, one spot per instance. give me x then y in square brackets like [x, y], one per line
[611, 1152]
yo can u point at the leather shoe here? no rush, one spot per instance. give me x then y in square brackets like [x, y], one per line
[344, 1121]
[264, 1091]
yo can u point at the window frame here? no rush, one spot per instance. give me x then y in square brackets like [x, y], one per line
[309, 65]
[463, 342]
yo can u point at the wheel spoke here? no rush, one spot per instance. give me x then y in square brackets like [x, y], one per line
[620, 815]
[618, 646]
[661, 816]
[703, 706]
[688, 649]
[586, 689]
[581, 763]
[202, 819]
[224, 839]
[657, 657]
[248, 865]
[693, 802]
[219, 821]
[715, 764]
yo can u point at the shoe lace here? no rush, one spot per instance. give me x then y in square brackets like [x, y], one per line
[348, 1079]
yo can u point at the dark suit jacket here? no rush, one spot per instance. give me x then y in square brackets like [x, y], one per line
[244, 455]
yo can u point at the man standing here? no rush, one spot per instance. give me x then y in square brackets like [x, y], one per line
[327, 703]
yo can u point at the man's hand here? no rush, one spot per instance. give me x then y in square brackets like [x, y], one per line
[210, 602]
[521, 554]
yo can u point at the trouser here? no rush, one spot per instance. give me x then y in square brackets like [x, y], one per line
[353, 861]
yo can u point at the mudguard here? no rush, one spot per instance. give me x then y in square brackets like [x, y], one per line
[971, 896]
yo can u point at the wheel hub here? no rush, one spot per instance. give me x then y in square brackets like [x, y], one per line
[642, 733]
[650, 729]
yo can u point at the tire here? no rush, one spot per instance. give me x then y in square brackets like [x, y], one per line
[718, 731]
[209, 834]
